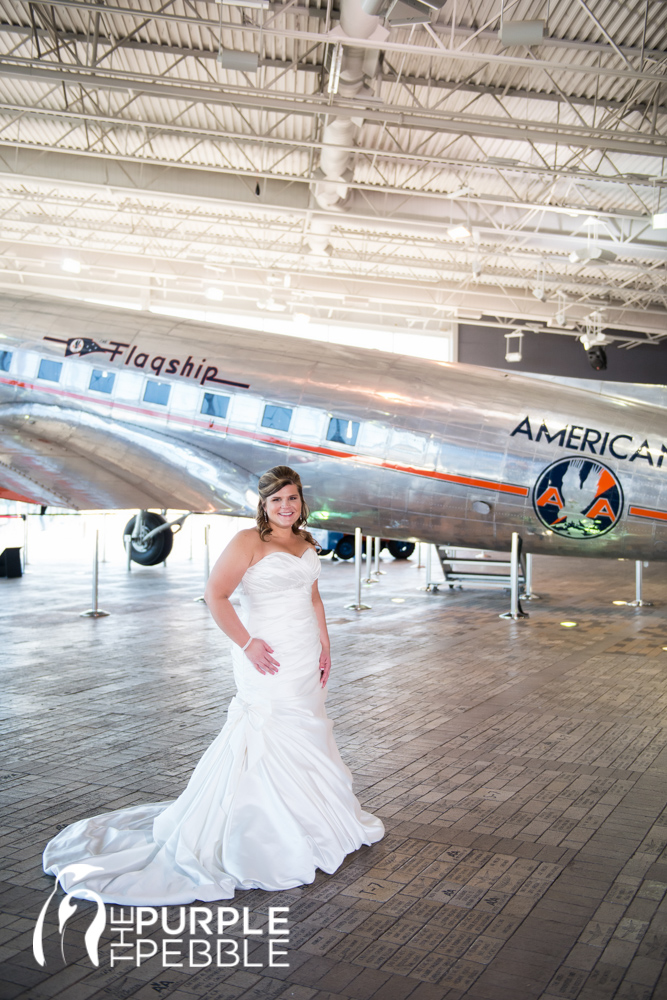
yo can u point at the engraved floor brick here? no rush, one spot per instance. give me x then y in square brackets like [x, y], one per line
[520, 770]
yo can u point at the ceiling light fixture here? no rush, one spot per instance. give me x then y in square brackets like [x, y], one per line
[502, 161]
[239, 62]
[660, 220]
[214, 294]
[513, 346]
[458, 232]
[401, 13]
[520, 32]
[592, 255]
[71, 265]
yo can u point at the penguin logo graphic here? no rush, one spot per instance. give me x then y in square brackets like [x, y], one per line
[67, 909]
[578, 498]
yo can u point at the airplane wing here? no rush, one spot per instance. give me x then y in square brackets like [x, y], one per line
[70, 458]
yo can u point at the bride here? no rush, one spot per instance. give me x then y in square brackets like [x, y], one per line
[271, 800]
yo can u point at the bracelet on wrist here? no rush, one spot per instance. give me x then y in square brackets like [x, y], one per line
[243, 648]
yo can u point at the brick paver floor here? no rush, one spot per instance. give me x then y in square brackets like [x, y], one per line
[520, 769]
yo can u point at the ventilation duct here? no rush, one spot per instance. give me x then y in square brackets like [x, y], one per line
[350, 65]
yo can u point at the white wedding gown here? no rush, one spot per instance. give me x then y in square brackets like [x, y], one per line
[269, 802]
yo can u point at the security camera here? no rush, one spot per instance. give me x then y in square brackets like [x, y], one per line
[597, 358]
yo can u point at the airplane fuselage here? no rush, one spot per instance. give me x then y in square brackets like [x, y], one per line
[133, 410]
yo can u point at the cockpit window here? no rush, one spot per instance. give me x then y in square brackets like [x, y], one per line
[276, 417]
[343, 431]
[5, 360]
[102, 381]
[50, 370]
[157, 392]
[215, 405]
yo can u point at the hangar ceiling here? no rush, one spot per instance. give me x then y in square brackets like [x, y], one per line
[310, 159]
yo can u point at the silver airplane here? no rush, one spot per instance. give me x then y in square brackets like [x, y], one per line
[104, 408]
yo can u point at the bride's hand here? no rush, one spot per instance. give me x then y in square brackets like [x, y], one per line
[258, 652]
[325, 667]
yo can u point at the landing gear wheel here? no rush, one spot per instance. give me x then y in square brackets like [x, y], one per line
[157, 548]
[401, 550]
[345, 547]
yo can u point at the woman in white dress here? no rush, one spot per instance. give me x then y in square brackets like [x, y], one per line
[271, 800]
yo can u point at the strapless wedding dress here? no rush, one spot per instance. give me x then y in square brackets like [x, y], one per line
[269, 802]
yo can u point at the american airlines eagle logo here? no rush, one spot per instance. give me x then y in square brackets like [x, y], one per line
[578, 498]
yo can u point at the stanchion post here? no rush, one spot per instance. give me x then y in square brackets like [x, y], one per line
[357, 606]
[95, 612]
[639, 574]
[368, 579]
[528, 594]
[420, 564]
[429, 586]
[516, 610]
[25, 541]
[376, 556]
[207, 561]
[128, 551]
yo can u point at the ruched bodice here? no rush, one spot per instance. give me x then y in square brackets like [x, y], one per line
[277, 605]
[269, 802]
[278, 572]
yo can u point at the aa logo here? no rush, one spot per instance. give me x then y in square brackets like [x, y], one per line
[67, 909]
[578, 498]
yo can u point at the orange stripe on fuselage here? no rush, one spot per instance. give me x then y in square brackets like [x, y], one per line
[657, 515]
[445, 477]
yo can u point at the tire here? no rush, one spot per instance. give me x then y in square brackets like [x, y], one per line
[324, 552]
[401, 550]
[345, 547]
[158, 548]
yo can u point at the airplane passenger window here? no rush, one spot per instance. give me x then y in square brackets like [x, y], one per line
[102, 381]
[50, 370]
[215, 405]
[343, 431]
[277, 417]
[157, 392]
[5, 360]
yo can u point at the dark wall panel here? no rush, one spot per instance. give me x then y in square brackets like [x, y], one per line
[555, 354]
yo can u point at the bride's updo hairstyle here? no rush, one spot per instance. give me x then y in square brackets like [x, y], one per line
[271, 482]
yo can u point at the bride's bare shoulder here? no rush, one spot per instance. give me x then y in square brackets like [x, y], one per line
[248, 538]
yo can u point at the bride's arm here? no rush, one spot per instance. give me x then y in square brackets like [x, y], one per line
[223, 581]
[325, 655]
